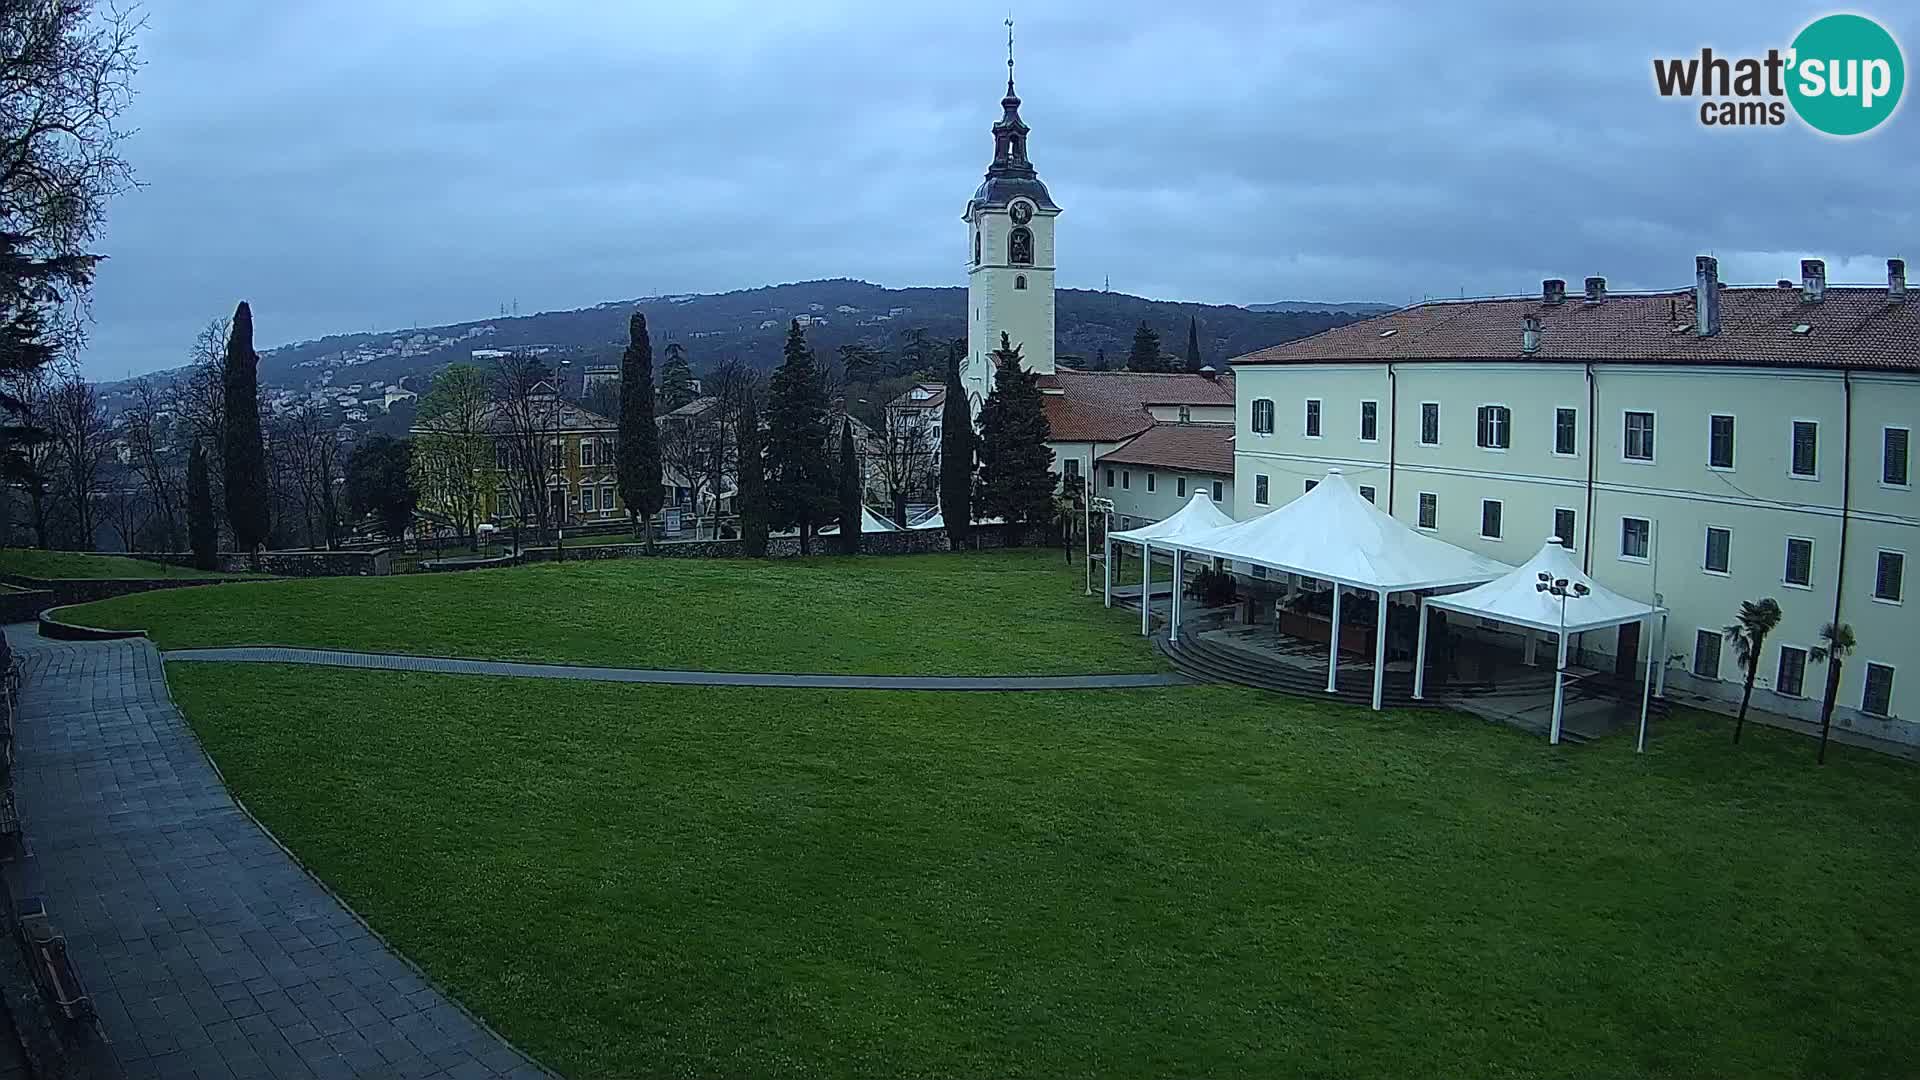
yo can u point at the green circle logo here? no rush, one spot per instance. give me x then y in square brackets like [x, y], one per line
[1847, 74]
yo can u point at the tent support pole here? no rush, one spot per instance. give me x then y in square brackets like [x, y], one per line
[1333, 643]
[1660, 673]
[1646, 699]
[1559, 689]
[1532, 640]
[1380, 654]
[1106, 562]
[1420, 656]
[1173, 623]
[1146, 588]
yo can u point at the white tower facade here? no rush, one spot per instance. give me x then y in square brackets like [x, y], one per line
[1009, 258]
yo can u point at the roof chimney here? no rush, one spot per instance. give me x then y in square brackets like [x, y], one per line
[1813, 281]
[1530, 335]
[1896, 280]
[1210, 374]
[1553, 291]
[1596, 290]
[1706, 295]
[1785, 283]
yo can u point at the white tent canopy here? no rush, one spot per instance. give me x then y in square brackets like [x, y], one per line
[1335, 534]
[938, 520]
[870, 522]
[1549, 592]
[1198, 516]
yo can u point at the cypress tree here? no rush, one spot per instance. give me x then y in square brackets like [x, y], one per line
[1194, 363]
[203, 531]
[1145, 355]
[1016, 476]
[851, 500]
[956, 456]
[800, 485]
[246, 459]
[637, 461]
[751, 491]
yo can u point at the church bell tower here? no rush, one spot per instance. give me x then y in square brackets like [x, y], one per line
[1010, 255]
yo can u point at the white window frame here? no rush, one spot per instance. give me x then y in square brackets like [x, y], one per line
[1908, 486]
[1792, 426]
[1219, 491]
[1179, 487]
[1706, 545]
[1653, 436]
[1126, 479]
[1623, 556]
[606, 499]
[1363, 420]
[589, 448]
[1419, 504]
[1720, 654]
[1780, 658]
[1313, 415]
[1506, 429]
[1735, 417]
[1253, 417]
[1370, 493]
[1423, 423]
[1892, 681]
[1150, 482]
[1786, 562]
[1894, 601]
[1484, 503]
[1572, 542]
[589, 503]
[1553, 433]
[1262, 490]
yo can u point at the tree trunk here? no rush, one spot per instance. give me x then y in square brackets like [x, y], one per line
[806, 537]
[900, 508]
[1745, 697]
[1826, 707]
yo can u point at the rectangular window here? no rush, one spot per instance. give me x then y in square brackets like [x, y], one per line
[1262, 416]
[501, 458]
[1126, 479]
[1310, 485]
[1636, 535]
[1565, 421]
[1720, 442]
[1429, 423]
[1495, 427]
[1258, 570]
[1877, 698]
[1071, 470]
[1638, 444]
[1490, 519]
[1799, 562]
[1706, 654]
[1180, 487]
[1260, 489]
[586, 453]
[586, 500]
[1186, 414]
[1719, 550]
[1150, 481]
[1806, 448]
[1893, 457]
[1429, 510]
[606, 499]
[1109, 478]
[1369, 421]
[1564, 527]
[1313, 418]
[1219, 491]
[1367, 492]
[1888, 571]
[1791, 679]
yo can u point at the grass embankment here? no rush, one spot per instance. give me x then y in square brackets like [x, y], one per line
[635, 881]
[33, 562]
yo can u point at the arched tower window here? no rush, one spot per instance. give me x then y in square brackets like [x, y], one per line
[1020, 246]
[976, 247]
[1020, 281]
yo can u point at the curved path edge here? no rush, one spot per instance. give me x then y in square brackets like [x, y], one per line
[274, 654]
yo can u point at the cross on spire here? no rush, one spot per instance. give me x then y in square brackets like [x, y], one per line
[1009, 55]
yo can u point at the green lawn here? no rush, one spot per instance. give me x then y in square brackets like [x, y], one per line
[979, 613]
[32, 562]
[635, 881]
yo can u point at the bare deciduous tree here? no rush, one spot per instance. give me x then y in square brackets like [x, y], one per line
[527, 418]
[82, 438]
[308, 466]
[148, 430]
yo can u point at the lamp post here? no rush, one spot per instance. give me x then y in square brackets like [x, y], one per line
[1561, 588]
[1105, 509]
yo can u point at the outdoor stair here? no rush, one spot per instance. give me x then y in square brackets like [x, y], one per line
[1207, 662]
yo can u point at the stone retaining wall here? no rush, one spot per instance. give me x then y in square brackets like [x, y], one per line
[375, 563]
[23, 605]
[905, 542]
[60, 592]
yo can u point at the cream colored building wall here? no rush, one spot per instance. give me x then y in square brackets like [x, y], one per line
[1143, 494]
[995, 305]
[1196, 414]
[1758, 500]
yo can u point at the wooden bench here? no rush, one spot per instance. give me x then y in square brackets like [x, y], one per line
[47, 952]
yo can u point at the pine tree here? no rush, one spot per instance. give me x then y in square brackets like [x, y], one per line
[956, 455]
[1100, 358]
[751, 488]
[202, 530]
[1016, 478]
[637, 460]
[1145, 355]
[800, 487]
[1194, 362]
[245, 458]
[851, 502]
[676, 378]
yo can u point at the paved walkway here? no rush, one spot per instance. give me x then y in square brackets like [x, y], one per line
[208, 951]
[264, 654]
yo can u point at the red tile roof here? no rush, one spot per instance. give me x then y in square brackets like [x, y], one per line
[1853, 327]
[1110, 406]
[1198, 447]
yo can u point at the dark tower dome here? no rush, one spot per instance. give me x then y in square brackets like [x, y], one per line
[1011, 175]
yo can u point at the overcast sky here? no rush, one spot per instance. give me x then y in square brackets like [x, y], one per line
[363, 164]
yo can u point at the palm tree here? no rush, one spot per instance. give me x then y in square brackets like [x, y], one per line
[1838, 645]
[1748, 633]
